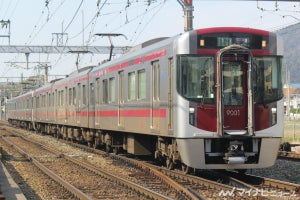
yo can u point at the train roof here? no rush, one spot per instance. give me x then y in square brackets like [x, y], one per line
[138, 50]
[232, 29]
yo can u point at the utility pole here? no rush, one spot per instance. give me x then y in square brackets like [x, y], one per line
[6, 24]
[45, 66]
[109, 35]
[188, 8]
[60, 38]
[288, 102]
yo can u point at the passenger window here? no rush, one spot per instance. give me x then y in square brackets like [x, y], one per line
[105, 91]
[97, 91]
[79, 94]
[142, 84]
[112, 90]
[74, 96]
[70, 96]
[131, 86]
[83, 95]
[92, 94]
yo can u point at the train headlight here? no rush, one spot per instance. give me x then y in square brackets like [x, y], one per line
[192, 110]
[192, 116]
[264, 44]
[273, 115]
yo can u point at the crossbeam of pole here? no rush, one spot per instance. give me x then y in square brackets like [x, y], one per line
[62, 49]
[256, 0]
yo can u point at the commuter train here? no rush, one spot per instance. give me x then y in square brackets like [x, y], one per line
[207, 99]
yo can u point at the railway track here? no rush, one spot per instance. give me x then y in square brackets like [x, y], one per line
[24, 174]
[190, 187]
[82, 181]
[267, 187]
[289, 155]
[153, 182]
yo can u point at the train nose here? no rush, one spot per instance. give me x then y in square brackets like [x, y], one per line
[235, 154]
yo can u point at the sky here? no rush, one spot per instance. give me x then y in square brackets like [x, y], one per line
[33, 22]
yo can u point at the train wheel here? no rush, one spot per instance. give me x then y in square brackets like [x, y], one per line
[186, 169]
[116, 150]
[169, 163]
[107, 148]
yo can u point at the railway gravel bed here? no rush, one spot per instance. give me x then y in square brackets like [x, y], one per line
[121, 169]
[93, 185]
[130, 172]
[34, 184]
[284, 170]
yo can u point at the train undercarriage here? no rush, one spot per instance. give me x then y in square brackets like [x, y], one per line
[162, 149]
[217, 152]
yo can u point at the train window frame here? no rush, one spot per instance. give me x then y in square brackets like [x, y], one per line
[83, 94]
[74, 96]
[112, 89]
[131, 93]
[49, 99]
[104, 91]
[142, 84]
[70, 96]
[92, 93]
[191, 70]
[52, 99]
[37, 101]
[79, 94]
[97, 91]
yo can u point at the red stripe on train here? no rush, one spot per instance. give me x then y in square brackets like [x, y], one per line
[161, 113]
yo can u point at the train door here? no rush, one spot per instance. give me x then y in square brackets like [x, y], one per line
[91, 107]
[155, 95]
[121, 99]
[170, 96]
[78, 103]
[236, 92]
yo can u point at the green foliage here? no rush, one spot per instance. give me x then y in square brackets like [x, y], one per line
[291, 44]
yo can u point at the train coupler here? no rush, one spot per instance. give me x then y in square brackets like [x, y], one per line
[235, 154]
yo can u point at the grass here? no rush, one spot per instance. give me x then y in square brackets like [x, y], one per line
[291, 131]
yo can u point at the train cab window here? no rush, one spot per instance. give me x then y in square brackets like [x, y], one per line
[267, 79]
[131, 86]
[112, 90]
[105, 91]
[233, 83]
[195, 78]
[142, 84]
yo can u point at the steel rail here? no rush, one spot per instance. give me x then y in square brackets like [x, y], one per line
[142, 190]
[261, 182]
[289, 155]
[69, 187]
[185, 191]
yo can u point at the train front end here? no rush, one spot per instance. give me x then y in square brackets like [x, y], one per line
[229, 102]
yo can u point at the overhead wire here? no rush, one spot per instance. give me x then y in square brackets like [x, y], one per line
[75, 14]
[135, 18]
